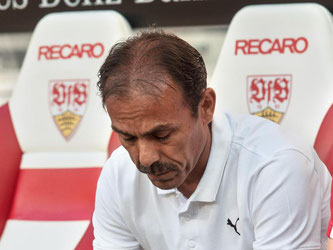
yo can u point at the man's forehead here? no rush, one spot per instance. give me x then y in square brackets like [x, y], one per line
[145, 112]
[153, 91]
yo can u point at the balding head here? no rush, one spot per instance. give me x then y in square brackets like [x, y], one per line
[145, 62]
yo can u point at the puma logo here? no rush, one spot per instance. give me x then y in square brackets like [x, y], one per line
[229, 223]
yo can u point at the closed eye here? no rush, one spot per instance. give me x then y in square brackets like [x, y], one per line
[129, 138]
[163, 138]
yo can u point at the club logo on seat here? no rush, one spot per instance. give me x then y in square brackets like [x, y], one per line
[268, 96]
[68, 100]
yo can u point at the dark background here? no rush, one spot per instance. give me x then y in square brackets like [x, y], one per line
[159, 13]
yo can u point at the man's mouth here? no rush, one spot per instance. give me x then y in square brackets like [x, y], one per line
[163, 173]
[164, 176]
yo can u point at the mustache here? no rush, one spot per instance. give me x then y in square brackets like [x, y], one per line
[157, 167]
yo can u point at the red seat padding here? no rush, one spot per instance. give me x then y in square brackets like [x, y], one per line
[324, 140]
[10, 158]
[55, 194]
[114, 143]
[87, 239]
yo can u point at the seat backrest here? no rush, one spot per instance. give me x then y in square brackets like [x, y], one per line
[61, 129]
[276, 62]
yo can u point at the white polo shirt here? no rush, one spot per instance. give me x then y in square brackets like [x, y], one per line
[262, 189]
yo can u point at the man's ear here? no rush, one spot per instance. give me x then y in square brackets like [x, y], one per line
[207, 105]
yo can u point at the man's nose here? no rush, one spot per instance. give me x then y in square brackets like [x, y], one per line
[148, 153]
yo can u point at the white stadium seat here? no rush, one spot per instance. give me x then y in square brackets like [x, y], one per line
[54, 133]
[276, 62]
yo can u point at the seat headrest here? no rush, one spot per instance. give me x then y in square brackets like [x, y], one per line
[55, 105]
[277, 62]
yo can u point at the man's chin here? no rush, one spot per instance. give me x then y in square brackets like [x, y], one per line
[163, 185]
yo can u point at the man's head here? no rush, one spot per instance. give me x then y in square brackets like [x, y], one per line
[154, 89]
[141, 60]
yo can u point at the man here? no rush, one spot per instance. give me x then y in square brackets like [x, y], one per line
[205, 181]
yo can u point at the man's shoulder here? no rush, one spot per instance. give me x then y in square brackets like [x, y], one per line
[121, 179]
[119, 158]
[265, 145]
[120, 153]
[265, 138]
[119, 168]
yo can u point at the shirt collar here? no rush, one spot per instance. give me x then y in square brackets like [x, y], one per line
[210, 181]
[209, 184]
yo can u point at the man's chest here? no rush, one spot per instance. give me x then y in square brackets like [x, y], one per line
[196, 225]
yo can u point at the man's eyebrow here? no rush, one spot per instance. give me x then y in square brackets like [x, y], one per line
[119, 131]
[155, 130]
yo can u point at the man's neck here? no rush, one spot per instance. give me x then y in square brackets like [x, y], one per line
[192, 181]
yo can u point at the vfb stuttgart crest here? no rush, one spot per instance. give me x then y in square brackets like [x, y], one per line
[268, 96]
[68, 101]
